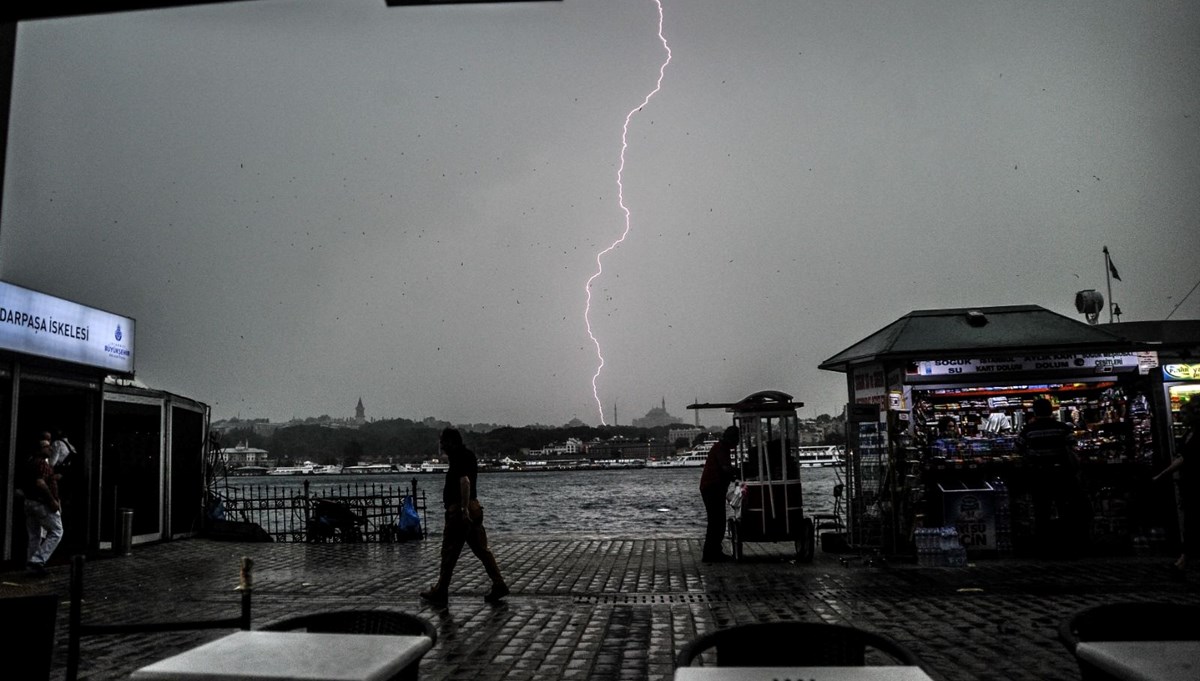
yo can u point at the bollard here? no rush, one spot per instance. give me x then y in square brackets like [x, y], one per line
[123, 543]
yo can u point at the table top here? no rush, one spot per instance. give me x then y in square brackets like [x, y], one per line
[1144, 660]
[864, 673]
[291, 655]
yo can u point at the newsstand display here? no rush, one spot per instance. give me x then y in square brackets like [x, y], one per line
[954, 387]
[966, 438]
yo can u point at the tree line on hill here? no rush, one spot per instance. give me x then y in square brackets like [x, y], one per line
[405, 441]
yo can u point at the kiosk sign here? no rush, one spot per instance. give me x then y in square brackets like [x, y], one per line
[1102, 362]
[35, 323]
[1181, 372]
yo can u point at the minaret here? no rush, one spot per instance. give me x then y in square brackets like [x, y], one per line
[614, 413]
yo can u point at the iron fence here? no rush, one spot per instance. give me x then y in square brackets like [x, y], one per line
[359, 511]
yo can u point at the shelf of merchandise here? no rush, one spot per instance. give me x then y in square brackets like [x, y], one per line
[1113, 435]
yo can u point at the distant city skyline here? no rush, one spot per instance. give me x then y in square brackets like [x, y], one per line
[714, 420]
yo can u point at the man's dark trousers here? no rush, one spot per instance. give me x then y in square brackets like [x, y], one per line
[714, 506]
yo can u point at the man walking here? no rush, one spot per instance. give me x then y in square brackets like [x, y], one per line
[714, 482]
[464, 522]
[43, 519]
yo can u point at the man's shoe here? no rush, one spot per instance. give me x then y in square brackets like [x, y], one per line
[36, 568]
[719, 558]
[498, 592]
[435, 597]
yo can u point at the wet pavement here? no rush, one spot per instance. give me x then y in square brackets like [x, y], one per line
[604, 608]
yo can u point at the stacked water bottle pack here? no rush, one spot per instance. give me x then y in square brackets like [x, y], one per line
[940, 547]
[1003, 517]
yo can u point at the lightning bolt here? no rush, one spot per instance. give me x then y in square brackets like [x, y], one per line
[587, 312]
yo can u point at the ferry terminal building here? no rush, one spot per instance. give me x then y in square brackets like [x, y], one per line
[69, 367]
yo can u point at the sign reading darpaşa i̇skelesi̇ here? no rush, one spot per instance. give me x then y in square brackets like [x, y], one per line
[39, 324]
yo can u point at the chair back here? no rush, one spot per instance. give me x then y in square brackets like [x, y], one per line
[1131, 622]
[357, 621]
[77, 629]
[793, 644]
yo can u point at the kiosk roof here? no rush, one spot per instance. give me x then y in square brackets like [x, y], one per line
[924, 334]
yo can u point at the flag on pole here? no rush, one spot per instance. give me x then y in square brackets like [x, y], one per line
[1112, 269]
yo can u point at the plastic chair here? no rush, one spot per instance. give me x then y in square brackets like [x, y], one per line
[76, 629]
[387, 622]
[793, 644]
[1127, 622]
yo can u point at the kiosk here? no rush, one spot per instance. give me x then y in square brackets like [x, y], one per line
[954, 387]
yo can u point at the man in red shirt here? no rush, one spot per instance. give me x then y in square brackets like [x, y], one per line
[42, 517]
[714, 481]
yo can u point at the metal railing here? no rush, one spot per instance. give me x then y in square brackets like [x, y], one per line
[358, 511]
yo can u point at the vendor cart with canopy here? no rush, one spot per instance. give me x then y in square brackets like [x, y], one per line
[768, 502]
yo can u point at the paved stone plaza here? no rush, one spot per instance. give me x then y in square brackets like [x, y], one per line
[605, 608]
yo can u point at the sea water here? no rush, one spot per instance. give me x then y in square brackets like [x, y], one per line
[644, 502]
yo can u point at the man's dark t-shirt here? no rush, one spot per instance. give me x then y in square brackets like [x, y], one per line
[462, 462]
[1049, 442]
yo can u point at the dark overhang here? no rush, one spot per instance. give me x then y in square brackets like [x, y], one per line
[978, 332]
[23, 10]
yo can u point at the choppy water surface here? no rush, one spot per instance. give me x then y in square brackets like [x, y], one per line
[620, 503]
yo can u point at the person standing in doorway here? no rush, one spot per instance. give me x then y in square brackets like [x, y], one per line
[1188, 465]
[718, 472]
[43, 517]
[464, 522]
[1060, 513]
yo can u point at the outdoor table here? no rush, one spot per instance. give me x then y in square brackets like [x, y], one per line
[292, 655]
[860, 673]
[1143, 660]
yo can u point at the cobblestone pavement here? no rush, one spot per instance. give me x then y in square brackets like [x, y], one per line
[605, 608]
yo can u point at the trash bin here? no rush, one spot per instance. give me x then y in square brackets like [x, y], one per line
[123, 544]
[27, 634]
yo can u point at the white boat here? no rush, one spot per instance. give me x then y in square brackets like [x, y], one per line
[692, 458]
[331, 469]
[372, 468]
[820, 456]
[618, 463]
[434, 466]
[249, 470]
[307, 468]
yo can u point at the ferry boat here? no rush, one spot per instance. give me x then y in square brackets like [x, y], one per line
[307, 468]
[820, 456]
[249, 470]
[692, 458]
[618, 463]
[372, 468]
[434, 466]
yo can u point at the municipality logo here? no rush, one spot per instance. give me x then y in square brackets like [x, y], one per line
[117, 349]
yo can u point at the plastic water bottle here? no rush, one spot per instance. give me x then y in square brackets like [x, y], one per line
[925, 546]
